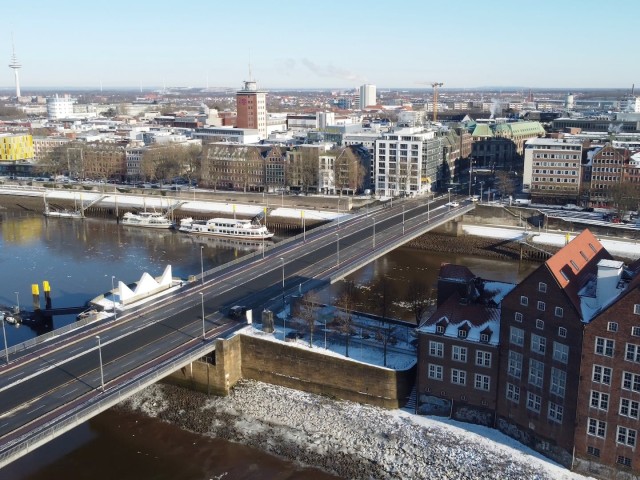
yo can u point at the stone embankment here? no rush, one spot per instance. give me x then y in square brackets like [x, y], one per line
[344, 438]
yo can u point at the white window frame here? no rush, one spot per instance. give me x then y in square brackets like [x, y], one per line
[435, 372]
[536, 372]
[562, 332]
[524, 300]
[539, 324]
[541, 306]
[560, 352]
[482, 382]
[631, 381]
[517, 316]
[516, 333]
[555, 412]
[612, 326]
[629, 408]
[458, 377]
[538, 344]
[604, 346]
[599, 400]
[559, 312]
[534, 402]
[596, 428]
[542, 287]
[512, 393]
[600, 374]
[632, 353]
[436, 349]
[626, 436]
[459, 354]
[483, 359]
[515, 360]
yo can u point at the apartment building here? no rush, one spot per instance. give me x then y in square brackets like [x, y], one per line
[458, 348]
[407, 161]
[15, 148]
[552, 169]
[608, 413]
[607, 171]
[542, 323]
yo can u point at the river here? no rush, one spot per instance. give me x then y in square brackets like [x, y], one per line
[79, 258]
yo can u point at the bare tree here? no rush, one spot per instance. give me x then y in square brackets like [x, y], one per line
[346, 302]
[383, 290]
[625, 197]
[419, 299]
[309, 313]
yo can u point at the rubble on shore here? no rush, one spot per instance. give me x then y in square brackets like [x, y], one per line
[344, 438]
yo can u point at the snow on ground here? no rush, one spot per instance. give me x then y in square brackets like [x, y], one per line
[627, 249]
[348, 439]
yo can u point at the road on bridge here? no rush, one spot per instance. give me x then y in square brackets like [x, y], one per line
[43, 382]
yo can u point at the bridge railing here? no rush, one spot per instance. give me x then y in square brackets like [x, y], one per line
[96, 405]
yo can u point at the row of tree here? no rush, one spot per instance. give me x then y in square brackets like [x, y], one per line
[350, 299]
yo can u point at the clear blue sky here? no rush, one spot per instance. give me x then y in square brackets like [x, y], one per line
[327, 44]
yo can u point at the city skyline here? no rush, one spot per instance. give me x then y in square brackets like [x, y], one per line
[145, 45]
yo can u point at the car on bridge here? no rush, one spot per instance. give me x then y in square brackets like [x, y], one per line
[452, 204]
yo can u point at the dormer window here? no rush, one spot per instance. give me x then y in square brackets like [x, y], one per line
[484, 338]
[440, 329]
[462, 333]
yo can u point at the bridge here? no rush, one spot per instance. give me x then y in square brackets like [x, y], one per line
[51, 384]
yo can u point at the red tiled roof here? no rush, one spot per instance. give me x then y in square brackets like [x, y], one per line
[457, 312]
[575, 263]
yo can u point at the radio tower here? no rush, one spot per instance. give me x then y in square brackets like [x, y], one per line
[15, 66]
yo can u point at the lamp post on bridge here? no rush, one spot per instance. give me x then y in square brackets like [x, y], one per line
[113, 298]
[337, 249]
[449, 192]
[402, 219]
[202, 264]
[481, 184]
[100, 357]
[17, 301]
[202, 306]
[4, 335]
[374, 232]
[284, 321]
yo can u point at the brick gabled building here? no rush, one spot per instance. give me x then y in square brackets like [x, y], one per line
[540, 349]
[458, 348]
[608, 413]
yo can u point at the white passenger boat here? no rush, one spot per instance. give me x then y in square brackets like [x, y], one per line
[226, 227]
[146, 220]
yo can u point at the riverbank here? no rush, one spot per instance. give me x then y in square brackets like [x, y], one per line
[347, 439]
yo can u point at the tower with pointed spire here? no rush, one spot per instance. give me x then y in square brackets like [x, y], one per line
[15, 66]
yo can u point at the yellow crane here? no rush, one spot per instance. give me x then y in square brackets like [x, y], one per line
[435, 86]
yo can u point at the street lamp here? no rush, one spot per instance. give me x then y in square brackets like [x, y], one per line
[449, 192]
[202, 305]
[337, 249]
[470, 173]
[17, 301]
[113, 299]
[481, 184]
[201, 265]
[403, 219]
[100, 357]
[374, 232]
[4, 335]
[284, 317]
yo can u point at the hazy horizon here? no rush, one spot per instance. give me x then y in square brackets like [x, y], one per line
[289, 44]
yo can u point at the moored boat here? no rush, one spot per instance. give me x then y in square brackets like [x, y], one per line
[226, 227]
[146, 220]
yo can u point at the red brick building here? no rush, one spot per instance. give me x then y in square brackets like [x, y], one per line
[458, 348]
[608, 414]
[541, 347]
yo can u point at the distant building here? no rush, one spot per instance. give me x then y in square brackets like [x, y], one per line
[552, 169]
[607, 171]
[16, 148]
[59, 108]
[251, 106]
[367, 96]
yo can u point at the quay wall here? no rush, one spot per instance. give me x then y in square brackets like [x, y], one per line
[253, 358]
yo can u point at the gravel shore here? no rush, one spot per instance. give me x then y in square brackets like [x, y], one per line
[347, 439]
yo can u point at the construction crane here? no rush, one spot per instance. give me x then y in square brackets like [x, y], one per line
[435, 86]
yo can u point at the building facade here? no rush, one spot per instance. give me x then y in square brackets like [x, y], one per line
[251, 106]
[458, 348]
[552, 169]
[60, 107]
[367, 96]
[607, 171]
[16, 148]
